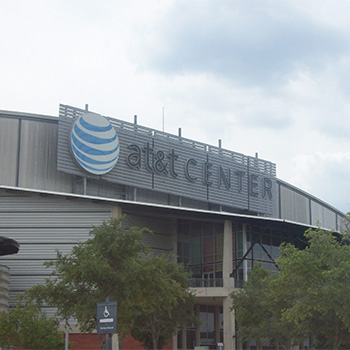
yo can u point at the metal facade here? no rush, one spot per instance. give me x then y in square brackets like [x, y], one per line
[217, 176]
[42, 225]
[29, 146]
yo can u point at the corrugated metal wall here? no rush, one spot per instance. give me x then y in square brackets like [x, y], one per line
[42, 225]
[9, 150]
[28, 147]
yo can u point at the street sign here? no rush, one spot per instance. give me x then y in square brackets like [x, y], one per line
[107, 317]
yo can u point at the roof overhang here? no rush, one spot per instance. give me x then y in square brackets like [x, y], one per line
[169, 210]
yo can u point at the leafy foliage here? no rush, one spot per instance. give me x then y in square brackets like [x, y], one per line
[308, 297]
[151, 293]
[26, 327]
[165, 302]
[104, 265]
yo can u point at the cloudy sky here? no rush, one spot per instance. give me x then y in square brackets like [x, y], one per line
[263, 76]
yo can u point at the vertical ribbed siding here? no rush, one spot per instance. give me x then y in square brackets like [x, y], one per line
[297, 205]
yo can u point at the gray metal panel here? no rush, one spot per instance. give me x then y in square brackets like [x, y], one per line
[323, 216]
[39, 251]
[40, 234]
[294, 206]
[8, 150]
[29, 267]
[42, 225]
[38, 158]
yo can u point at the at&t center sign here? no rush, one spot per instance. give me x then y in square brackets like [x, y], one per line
[116, 151]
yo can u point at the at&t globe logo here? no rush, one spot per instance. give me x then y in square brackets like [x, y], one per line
[95, 144]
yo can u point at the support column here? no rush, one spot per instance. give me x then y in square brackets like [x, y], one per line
[198, 329]
[229, 325]
[115, 342]
[117, 212]
[184, 337]
[175, 342]
[245, 248]
[229, 321]
[174, 237]
[217, 324]
[227, 264]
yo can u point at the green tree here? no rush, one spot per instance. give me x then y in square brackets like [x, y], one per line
[258, 314]
[113, 263]
[309, 297]
[251, 307]
[26, 327]
[104, 265]
[165, 302]
[316, 282]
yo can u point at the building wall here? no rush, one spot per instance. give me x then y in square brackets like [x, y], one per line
[42, 225]
[299, 206]
[28, 147]
[160, 238]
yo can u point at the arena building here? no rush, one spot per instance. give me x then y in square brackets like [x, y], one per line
[216, 210]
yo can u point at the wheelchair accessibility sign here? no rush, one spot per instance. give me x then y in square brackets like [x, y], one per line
[107, 317]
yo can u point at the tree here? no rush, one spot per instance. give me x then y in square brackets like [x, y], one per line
[309, 297]
[113, 263]
[258, 314]
[251, 307]
[165, 302]
[105, 265]
[316, 281]
[26, 327]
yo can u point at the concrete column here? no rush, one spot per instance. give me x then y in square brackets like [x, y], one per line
[227, 265]
[175, 342]
[184, 337]
[117, 212]
[229, 325]
[229, 321]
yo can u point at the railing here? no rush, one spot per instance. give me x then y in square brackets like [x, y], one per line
[206, 282]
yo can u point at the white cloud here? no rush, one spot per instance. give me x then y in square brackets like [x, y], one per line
[325, 175]
[265, 76]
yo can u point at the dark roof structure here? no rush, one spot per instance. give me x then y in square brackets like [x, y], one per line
[8, 246]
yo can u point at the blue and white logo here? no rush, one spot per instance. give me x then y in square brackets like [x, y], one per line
[95, 144]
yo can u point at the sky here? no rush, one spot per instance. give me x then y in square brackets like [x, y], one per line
[266, 77]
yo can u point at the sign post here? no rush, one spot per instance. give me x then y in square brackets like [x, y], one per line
[107, 320]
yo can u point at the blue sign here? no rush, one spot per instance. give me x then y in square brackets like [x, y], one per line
[107, 317]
